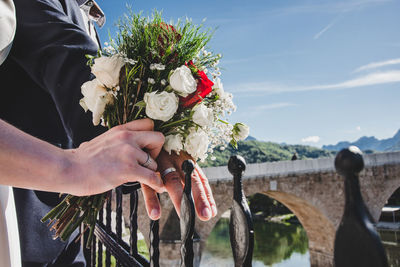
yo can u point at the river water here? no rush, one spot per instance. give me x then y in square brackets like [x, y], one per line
[278, 245]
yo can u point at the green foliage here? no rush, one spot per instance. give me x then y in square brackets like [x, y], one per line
[142, 248]
[144, 41]
[255, 151]
[274, 242]
[113, 261]
[266, 205]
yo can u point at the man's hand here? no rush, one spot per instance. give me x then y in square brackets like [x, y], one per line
[204, 201]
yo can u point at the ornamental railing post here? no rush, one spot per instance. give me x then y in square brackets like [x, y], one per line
[187, 217]
[357, 243]
[154, 244]
[241, 224]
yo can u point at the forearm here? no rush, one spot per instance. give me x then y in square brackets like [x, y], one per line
[111, 159]
[28, 162]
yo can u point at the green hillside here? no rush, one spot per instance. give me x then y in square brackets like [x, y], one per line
[257, 151]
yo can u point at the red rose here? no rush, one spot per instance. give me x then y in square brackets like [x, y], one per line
[204, 87]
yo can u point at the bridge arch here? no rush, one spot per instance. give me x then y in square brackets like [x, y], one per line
[311, 189]
[320, 230]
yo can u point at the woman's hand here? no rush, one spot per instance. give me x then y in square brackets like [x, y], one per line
[118, 156]
[174, 181]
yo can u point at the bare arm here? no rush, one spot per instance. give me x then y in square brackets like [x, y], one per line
[101, 164]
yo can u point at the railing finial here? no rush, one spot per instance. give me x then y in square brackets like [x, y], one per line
[349, 161]
[187, 168]
[236, 165]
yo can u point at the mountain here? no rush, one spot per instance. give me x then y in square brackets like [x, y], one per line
[250, 138]
[369, 143]
[255, 151]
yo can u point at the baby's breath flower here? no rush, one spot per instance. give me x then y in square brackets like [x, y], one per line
[130, 61]
[157, 66]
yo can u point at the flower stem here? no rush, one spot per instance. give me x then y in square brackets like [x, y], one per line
[220, 120]
[174, 123]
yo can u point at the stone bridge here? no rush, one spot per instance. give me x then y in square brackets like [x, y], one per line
[311, 189]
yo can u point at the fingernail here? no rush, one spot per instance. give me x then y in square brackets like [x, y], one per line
[154, 213]
[214, 210]
[206, 212]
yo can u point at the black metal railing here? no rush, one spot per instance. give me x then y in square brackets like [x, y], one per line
[241, 224]
[356, 243]
[110, 241]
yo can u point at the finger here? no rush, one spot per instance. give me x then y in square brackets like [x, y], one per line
[145, 176]
[138, 125]
[207, 190]
[173, 185]
[151, 141]
[145, 160]
[151, 202]
[127, 128]
[202, 205]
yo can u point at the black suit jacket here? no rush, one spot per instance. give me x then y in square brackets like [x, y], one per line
[40, 92]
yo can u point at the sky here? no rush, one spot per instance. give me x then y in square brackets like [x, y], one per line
[301, 72]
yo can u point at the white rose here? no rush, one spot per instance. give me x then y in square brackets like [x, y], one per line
[203, 115]
[219, 88]
[161, 106]
[182, 81]
[240, 131]
[107, 69]
[95, 98]
[196, 144]
[173, 142]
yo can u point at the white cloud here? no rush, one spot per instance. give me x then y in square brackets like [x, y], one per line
[370, 79]
[331, 6]
[358, 128]
[386, 77]
[274, 106]
[316, 37]
[311, 139]
[378, 64]
[326, 28]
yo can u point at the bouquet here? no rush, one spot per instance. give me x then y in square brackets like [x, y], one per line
[160, 71]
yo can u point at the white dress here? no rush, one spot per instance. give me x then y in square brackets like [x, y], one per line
[10, 254]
